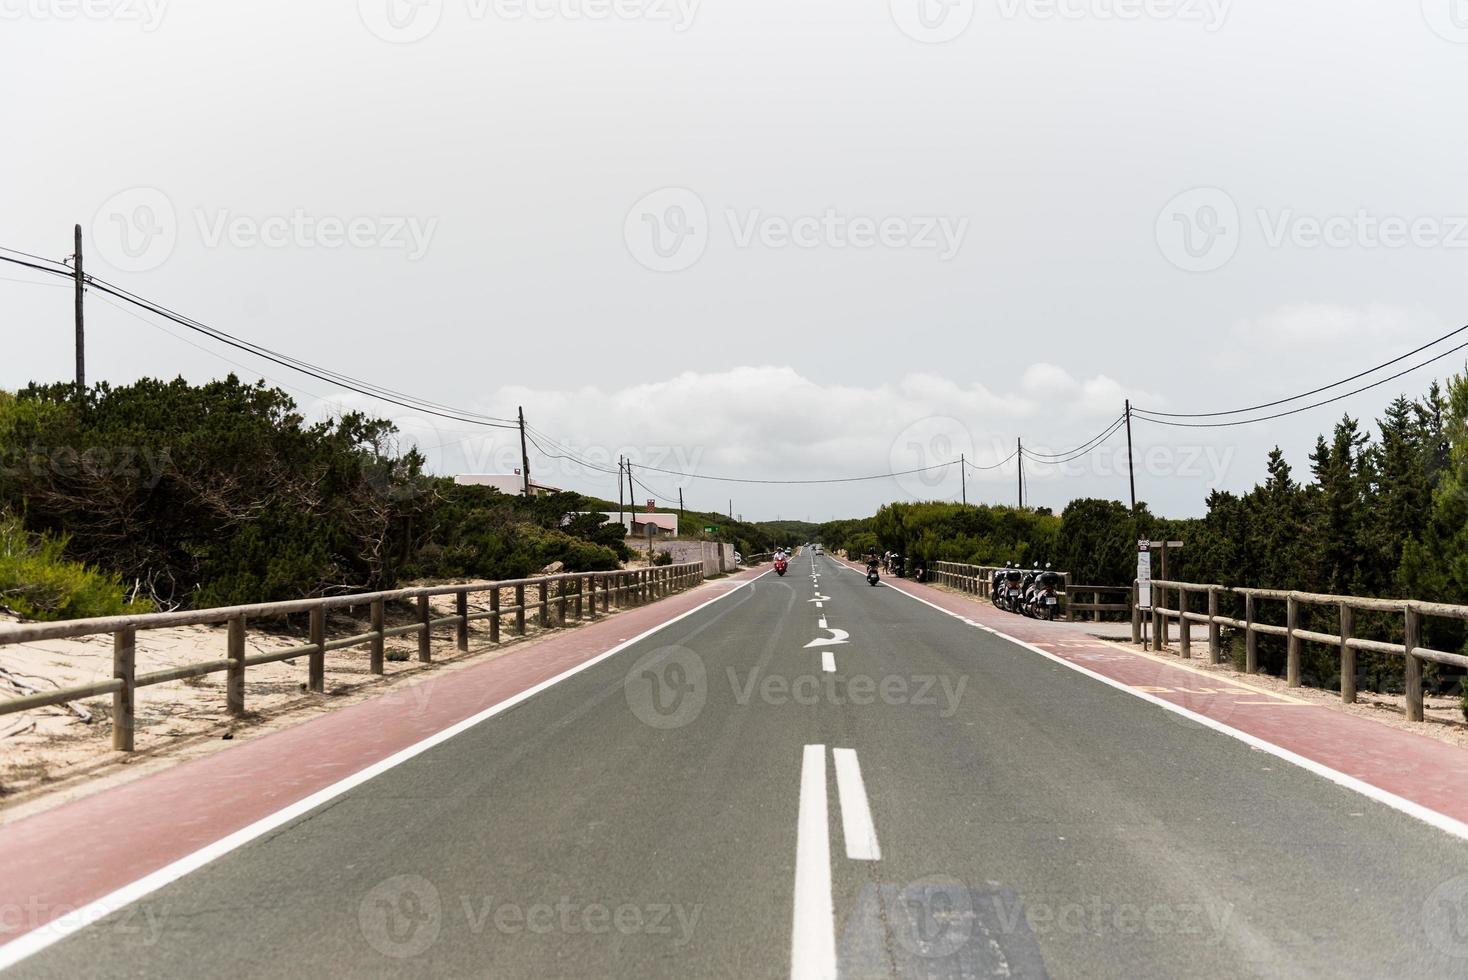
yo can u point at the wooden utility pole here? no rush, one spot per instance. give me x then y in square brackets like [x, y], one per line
[620, 464]
[631, 490]
[81, 347]
[963, 476]
[1130, 467]
[1020, 455]
[524, 452]
[680, 503]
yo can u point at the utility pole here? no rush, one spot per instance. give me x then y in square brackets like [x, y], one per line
[524, 452]
[680, 503]
[81, 347]
[1130, 468]
[731, 508]
[631, 491]
[1020, 455]
[963, 476]
[620, 464]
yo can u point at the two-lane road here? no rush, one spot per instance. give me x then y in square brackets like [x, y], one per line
[811, 776]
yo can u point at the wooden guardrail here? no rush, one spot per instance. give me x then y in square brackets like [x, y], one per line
[581, 591]
[1344, 639]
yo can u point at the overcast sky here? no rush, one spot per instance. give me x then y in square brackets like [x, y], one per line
[758, 238]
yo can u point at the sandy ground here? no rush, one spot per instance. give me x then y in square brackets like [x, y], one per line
[50, 754]
[1444, 717]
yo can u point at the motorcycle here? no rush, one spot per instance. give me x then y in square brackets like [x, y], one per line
[1047, 598]
[1012, 590]
[872, 577]
[996, 586]
[780, 566]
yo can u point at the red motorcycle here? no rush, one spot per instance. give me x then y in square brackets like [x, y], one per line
[780, 566]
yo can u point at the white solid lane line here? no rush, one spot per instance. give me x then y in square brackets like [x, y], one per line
[813, 932]
[828, 661]
[856, 816]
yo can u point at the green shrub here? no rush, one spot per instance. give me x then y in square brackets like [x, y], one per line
[38, 582]
[663, 558]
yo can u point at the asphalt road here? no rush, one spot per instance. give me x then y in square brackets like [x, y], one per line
[714, 802]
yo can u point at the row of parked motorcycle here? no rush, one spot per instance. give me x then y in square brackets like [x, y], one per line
[1033, 592]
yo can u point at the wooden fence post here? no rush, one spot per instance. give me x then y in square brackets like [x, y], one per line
[494, 617]
[542, 611]
[1251, 638]
[124, 668]
[1214, 648]
[316, 661]
[606, 593]
[561, 601]
[1412, 641]
[589, 587]
[234, 679]
[1184, 628]
[1348, 654]
[379, 625]
[461, 628]
[425, 638]
[520, 609]
[1292, 643]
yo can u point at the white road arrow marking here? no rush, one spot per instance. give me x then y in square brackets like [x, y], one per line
[836, 637]
[822, 623]
[819, 598]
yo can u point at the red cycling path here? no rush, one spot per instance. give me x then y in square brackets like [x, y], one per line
[1418, 769]
[60, 861]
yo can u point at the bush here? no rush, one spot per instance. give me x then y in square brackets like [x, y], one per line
[663, 558]
[38, 582]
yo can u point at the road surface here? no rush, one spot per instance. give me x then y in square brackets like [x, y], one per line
[811, 777]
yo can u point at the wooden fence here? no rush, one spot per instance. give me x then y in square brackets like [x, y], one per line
[1344, 639]
[580, 592]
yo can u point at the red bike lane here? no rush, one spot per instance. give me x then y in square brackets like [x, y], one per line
[91, 856]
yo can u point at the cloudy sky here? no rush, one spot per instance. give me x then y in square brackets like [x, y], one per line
[758, 239]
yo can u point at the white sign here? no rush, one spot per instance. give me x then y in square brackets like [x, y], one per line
[1144, 576]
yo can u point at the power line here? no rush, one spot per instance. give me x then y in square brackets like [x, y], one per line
[848, 479]
[1315, 391]
[1083, 448]
[1082, 451]
[359, 386]
[1305, 408]
[1006, 460]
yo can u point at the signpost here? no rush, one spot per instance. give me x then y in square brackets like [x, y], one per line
[1144, 575]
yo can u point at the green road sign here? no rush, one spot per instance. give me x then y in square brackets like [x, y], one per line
[710, 530]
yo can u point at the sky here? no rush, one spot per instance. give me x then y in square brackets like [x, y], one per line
[757, 240]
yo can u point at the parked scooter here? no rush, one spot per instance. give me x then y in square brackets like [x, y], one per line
[996, 585]
[1045, 601]
[1013, 590]
[872, 577]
